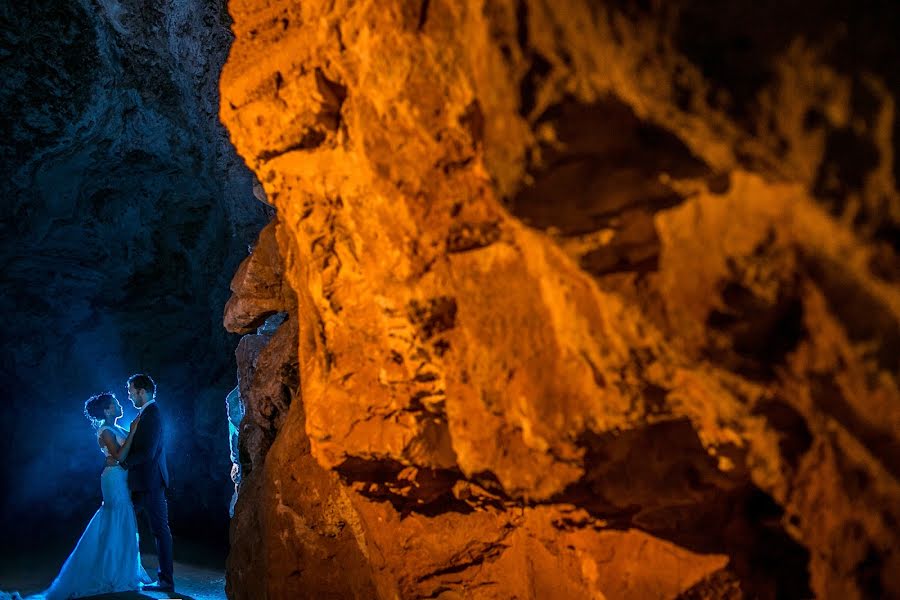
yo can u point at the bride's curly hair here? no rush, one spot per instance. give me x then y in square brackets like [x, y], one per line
[95, 405]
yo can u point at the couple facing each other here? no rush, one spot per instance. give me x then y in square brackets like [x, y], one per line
[107, 557]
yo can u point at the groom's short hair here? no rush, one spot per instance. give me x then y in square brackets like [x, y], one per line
[142, 381]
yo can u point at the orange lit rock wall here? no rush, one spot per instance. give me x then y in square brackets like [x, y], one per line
[586, 300]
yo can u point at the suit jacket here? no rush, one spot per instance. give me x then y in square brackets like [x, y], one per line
[146, 461]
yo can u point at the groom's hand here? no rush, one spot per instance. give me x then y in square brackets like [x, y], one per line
[110, 461]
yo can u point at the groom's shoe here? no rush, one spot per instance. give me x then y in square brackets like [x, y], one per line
[159, 586]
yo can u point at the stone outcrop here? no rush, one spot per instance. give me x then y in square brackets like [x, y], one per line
[593, 300]
[258, 287]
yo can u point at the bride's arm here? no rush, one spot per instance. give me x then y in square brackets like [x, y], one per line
[126, 447]
[148, 439]
[108, 439]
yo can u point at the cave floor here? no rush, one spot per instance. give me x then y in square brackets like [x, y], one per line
[29, 574]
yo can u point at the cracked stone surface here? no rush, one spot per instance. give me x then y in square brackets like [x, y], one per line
[590, 300]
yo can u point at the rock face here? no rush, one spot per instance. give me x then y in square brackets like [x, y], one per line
[125, 212]
[597, 300]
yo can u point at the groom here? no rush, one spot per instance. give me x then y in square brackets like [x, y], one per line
[148, 476]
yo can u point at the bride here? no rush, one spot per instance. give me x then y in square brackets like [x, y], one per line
[106, 558]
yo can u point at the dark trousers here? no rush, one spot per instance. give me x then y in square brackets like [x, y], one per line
[153, 504]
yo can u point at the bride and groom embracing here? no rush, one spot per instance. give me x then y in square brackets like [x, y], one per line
[107, 557]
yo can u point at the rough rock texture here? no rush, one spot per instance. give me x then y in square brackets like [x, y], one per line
[125, 212]
[594, 300]
[259, 287]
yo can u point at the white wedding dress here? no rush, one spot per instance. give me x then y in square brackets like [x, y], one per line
[106, 558]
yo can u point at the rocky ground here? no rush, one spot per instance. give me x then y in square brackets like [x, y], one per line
[199, 572]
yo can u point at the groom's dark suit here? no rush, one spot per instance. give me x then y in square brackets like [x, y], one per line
[148, 478]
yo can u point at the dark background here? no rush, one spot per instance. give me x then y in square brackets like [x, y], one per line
[125, 212]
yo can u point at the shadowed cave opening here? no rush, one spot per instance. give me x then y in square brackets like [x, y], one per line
[605, 170]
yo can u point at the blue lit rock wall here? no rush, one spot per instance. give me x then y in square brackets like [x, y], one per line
[125, 213]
